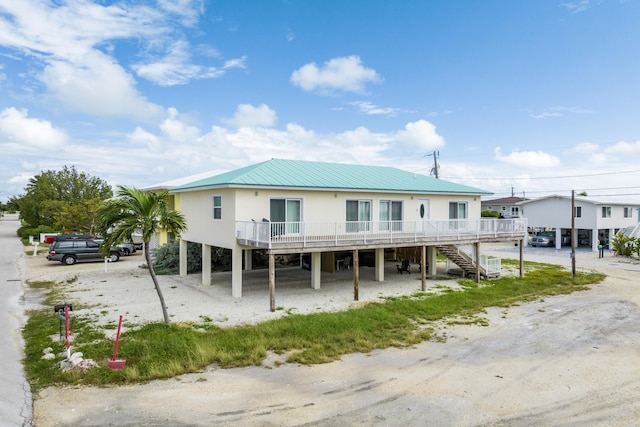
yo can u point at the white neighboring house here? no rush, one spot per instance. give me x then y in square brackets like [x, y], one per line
[595, 221]
[506, 206]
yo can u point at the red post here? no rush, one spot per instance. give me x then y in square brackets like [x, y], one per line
[115, 349]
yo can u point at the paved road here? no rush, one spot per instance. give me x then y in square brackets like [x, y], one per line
[16, 406]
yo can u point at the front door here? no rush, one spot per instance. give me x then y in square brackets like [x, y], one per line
[423, 214]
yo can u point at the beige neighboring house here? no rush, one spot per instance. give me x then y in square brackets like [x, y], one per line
[506, 206]
[323, 209]
[594, 221]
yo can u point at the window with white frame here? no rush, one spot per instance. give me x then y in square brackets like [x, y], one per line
[606, 212]
[358, 215]
[515, 211]
[578, 213]
[628, 212]
[216, 208]
[390, 215]
[285, 216]
[457, 210]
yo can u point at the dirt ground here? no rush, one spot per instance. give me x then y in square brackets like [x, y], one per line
[566, 360]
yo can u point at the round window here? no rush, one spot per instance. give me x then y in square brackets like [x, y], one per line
[421, 210]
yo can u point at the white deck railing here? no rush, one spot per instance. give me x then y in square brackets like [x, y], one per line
[337, 233]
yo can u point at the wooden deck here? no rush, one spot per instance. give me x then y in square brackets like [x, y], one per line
[303, 237]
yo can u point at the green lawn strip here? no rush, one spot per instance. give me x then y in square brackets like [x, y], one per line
[155, 351]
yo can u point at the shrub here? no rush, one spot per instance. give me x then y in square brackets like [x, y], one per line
[624, 245]
[166, 259]
[25, 231]
[489, 214]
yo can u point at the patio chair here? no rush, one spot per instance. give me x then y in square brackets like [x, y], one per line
[404, 267]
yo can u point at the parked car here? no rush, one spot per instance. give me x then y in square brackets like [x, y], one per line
[544, 238]
[73, 248]
[127, 248]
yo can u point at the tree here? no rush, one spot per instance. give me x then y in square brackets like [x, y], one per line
[132, 210]
[66, 199]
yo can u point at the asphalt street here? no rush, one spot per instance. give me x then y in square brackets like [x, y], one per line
[16, 404]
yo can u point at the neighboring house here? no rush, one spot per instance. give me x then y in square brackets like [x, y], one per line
[320, 209]
[594, 221]
[507, 206]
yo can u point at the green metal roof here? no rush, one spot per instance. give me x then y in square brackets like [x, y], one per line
[318, 175]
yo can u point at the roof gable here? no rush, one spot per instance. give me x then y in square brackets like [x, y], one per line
[337, 176]
[504, 201]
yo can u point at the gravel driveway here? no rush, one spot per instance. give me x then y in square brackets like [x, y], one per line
[566, 360]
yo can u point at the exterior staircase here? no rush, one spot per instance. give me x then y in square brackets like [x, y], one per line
[466, 262]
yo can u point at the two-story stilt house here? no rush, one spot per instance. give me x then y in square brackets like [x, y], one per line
[318, 209]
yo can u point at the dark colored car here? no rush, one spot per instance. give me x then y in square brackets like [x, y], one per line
[71, 249]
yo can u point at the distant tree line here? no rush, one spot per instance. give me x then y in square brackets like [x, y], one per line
[61, 201]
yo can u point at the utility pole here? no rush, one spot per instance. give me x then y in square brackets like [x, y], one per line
[436, 167]
[573, 233]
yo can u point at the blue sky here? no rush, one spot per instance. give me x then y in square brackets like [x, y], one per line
[538, 96]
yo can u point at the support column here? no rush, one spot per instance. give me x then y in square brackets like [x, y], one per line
[206, 264]
[183, 258]
[595, 240]
[432, 259]
[248, 259]
[423, 268]
[272, 282]
[379, 262]
[316, 269]
[356, 274]
[477, 255]
[558, 238]
[236, 272]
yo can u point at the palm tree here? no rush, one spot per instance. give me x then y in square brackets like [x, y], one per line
[132, 210]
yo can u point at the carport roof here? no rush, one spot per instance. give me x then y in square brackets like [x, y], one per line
[301, 174]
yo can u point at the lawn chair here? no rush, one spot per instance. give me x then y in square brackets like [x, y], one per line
[404, 267]
[347, 262]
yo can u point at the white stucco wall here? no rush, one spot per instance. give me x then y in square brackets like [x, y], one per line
[556, 212]
[317, 206]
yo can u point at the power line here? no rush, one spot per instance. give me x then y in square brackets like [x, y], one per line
[549, 177]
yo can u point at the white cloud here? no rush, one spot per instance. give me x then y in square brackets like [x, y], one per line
[623, 147]
[599, 159]
[177, 130]
[21, 179]
[22, 132]
[559, 111]
[577, 6]
[250, 116]
[420, 135]
[141, 137]
[98, 86]
[188, 10]
[71, 45]
[176, 68]
[585, 147]
[527, 159]
[338, 74]
[369, 108]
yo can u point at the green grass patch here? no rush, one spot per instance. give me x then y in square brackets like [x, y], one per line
[154, 351]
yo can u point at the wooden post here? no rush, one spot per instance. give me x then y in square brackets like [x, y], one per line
[477, 248]
[521, 258]
[356, 274]
[272, 281]
[423, 268]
